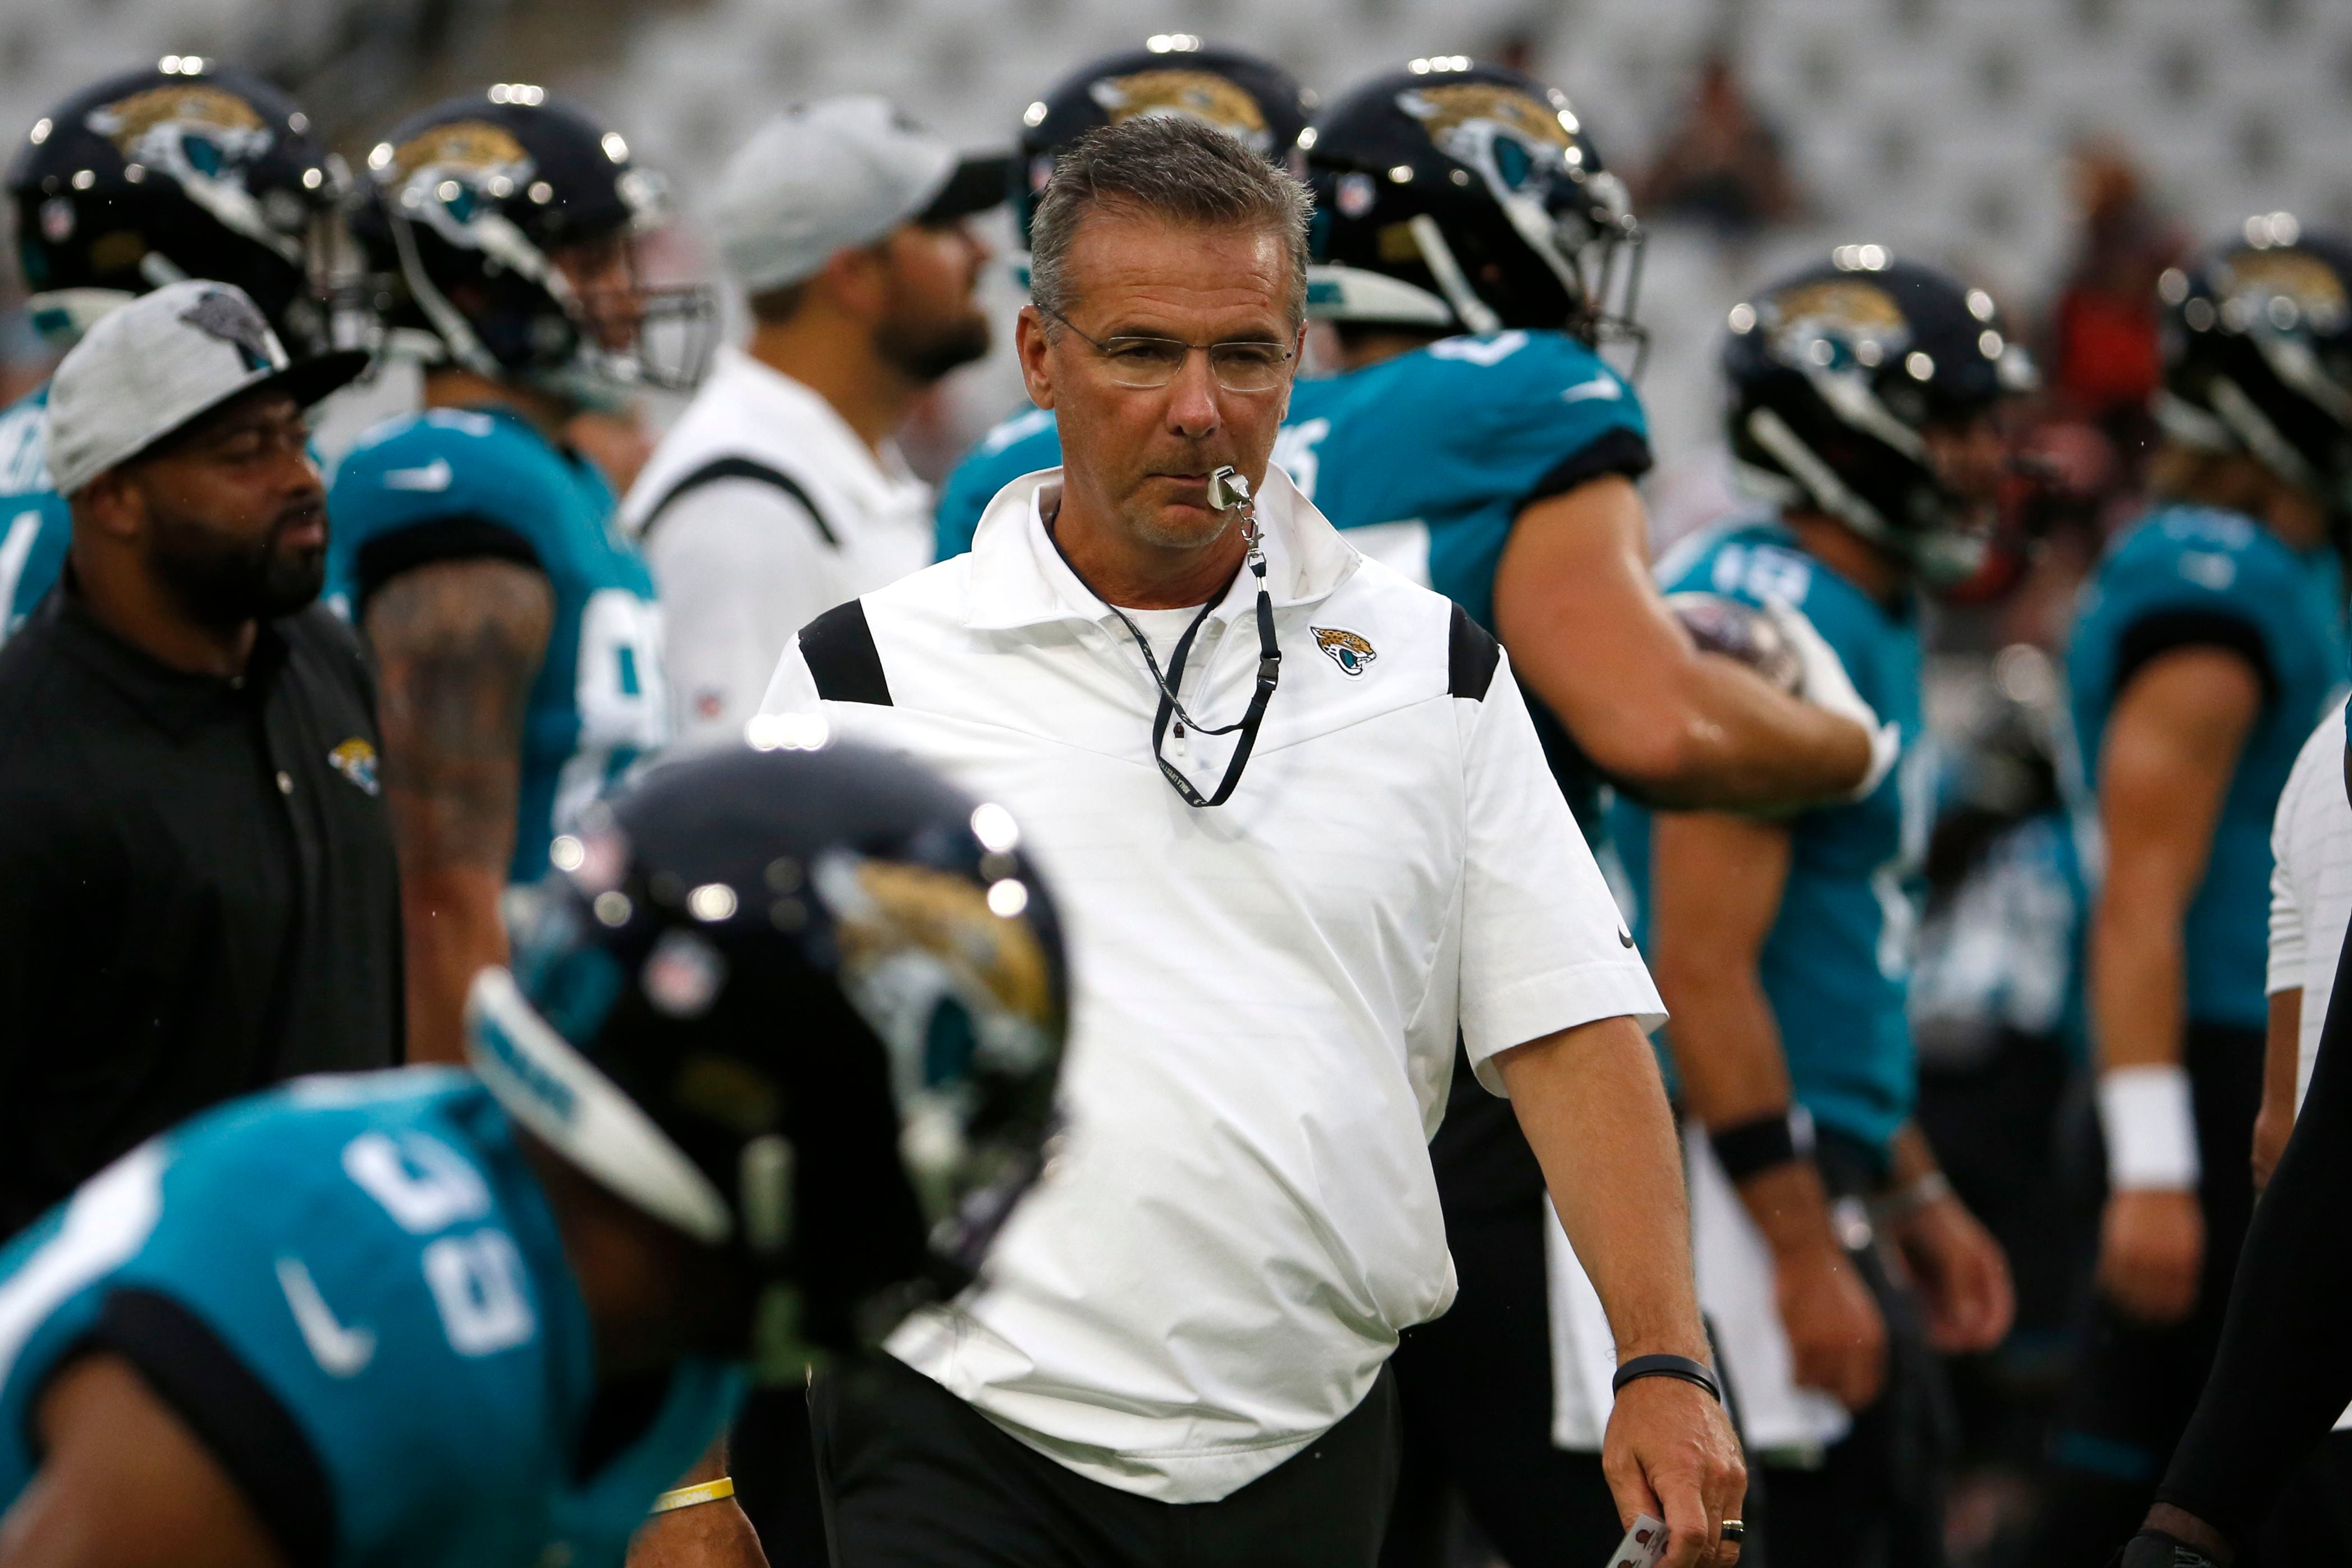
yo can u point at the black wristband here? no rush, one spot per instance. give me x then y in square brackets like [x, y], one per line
[1753, 1147]
[1681, 1367]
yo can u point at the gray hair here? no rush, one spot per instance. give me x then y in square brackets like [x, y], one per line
[1170, 167]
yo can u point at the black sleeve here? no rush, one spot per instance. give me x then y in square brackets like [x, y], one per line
[838, 646]
[460, 538]
[234, 1414]
[2166, 630]
[2284, 1372]
[1618, 451]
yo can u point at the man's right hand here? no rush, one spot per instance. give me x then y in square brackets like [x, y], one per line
[1837, 1339]
[2151, 1249]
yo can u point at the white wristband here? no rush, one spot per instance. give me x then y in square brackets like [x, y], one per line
[2151, 1130]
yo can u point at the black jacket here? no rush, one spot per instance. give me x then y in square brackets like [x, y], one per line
[198, 895]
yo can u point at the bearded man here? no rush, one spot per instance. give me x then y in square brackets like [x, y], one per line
[202, 894]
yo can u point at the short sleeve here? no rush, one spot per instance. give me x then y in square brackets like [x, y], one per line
[1544, 947]
[741, 568]
[2286, 951]
[791, 689]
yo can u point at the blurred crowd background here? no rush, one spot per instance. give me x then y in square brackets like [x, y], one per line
[2061, 153]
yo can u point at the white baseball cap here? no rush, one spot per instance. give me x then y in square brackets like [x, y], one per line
[823, 177]
[151, 366]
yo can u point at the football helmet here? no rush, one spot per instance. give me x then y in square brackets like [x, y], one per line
[185, 169]
[1833, 375]
[804, 1004]
[1254, 99]
[465, 208]
[1468, 198]
[2258, 354]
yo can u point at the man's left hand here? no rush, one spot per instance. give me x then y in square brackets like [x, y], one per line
[1964, 1286]
[1670, 1453]
[708, 1535]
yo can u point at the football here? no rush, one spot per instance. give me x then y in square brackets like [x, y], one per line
[1740, 632]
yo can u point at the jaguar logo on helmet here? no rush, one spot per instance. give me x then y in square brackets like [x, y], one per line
[444, 169]
[1514, 142]
[2285, 289]
[192, 132]
[1203, 96]
[1834, 324]
[204, 138]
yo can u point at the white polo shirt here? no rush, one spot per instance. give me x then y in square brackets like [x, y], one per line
[759, 510]
[1266, 994]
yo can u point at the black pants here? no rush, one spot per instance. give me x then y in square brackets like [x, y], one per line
[775, 1476]
[1876, 1500]
[914, 1477]
[2137, 1384]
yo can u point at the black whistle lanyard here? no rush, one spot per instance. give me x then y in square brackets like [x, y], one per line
[1269, 675]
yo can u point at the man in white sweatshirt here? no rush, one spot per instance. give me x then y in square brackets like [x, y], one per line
[780, 492]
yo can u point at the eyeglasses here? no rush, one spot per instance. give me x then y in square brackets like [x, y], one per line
[1151, 362]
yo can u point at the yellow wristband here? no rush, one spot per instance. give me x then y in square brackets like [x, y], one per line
[687, 1497]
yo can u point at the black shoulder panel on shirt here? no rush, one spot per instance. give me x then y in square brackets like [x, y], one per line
[463, 537]
[846, 667]
[2166, 630]
[720, 468]
[247, 1430]
[1618, 451]
[1471, 655]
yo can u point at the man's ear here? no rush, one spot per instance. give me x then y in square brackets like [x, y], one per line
[1030, 343]
[112, 506]
[857, 281]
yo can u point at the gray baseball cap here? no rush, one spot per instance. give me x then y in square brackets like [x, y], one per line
[823, 177]
[151, 367]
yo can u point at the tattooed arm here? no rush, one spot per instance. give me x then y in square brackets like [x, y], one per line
[457, 644]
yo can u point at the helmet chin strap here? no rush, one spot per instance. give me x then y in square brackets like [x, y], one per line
[1337, 293]
[1474, 313]
[2256, 431]
[545, 1083]
[458, 337]
[1942, 556]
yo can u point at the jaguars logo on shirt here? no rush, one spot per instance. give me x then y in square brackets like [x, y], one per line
[355, 760]
[1203, 96]
[1346, 649]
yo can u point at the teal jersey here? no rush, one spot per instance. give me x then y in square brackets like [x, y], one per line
[35, 525]
[1837, 963]
[353, 1291]
[1426, 461]
[2184, 576]
[453, 483]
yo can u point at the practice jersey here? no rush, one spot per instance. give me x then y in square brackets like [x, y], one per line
[452, 483]
[1424, 460]
[353, 1291]
[1836, 963]
[36, 525]
[2188, 576]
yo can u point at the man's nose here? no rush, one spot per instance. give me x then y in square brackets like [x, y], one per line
[1193, 398]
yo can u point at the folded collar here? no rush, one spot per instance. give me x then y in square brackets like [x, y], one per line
[1019, 579]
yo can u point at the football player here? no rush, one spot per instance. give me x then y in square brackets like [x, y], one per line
[513, 624]
[186, 170]
[1864, 402]
[2205, 645]
[769, 1072]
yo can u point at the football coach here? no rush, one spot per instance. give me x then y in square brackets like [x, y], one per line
[1307, 842]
